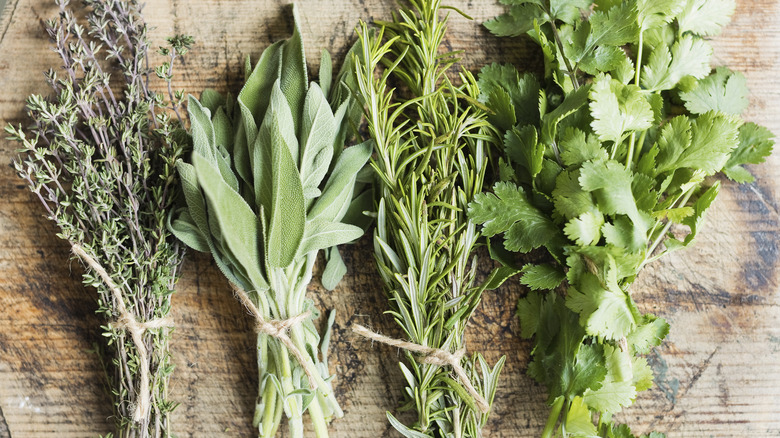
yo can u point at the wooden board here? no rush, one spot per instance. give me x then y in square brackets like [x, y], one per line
[718, 374]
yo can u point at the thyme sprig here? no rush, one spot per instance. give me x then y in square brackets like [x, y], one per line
[100, 157]
[430, 161]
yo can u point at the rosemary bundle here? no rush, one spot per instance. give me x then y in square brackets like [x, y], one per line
[430, 143]
[267, 186]
[100, 157]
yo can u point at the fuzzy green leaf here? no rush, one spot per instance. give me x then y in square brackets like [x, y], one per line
[321, 235]
[336, 196]
[237, 223]
[318, 132]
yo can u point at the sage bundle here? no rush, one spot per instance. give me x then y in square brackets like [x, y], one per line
[430, 138]
[100, 157]
[268, 185]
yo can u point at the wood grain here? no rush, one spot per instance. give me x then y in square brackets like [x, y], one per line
[718, 374]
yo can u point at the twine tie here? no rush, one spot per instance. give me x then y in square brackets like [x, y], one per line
[431, 356]
[129, 323]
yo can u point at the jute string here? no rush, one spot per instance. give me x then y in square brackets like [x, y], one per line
[128, 322]
[278, 329]
[432, 356]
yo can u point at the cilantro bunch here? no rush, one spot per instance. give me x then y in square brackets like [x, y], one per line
[268, 185]
[608, 163]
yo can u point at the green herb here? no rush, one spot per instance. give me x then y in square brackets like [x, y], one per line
[430, 140]
[268, 185]
[607, 166]
[100, 155]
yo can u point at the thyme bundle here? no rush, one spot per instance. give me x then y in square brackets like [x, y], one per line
[100, 158]
[268, 185]
[430, 162]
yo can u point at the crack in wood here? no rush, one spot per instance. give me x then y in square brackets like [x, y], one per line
[10, 18]
[5, 432]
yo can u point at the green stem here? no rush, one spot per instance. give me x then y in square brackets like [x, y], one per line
[570, 71]
[668, 225]
[630, 155]
[637, 76]
[639, 57]
[294, 412]
[552, 420]
[318, 419]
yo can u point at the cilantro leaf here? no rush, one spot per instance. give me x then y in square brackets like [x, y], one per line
[585, 229]
[544, 276]
[562, 362]
[517, 21]
[568, 11]
[705, 144]
[569, 198]
[618, 108]
[576, 149]
[723, 91]
[643, 374]
[603, 308]
[705, 17]
[508, 210]
[654, 13]
[755, 144]
[650, 333]
[689, 56]
[500, 85]
[615, 27]
[579, 421]
[522, 148]
[617, 390]
[611, 183]
[528, 311]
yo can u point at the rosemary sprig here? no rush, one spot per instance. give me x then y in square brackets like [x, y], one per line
[430, 162]
[269, 185]
[100, 158]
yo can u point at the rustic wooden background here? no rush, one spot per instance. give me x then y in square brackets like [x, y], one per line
[717, 375]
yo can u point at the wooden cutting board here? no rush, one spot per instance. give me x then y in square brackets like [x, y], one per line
[718, 373]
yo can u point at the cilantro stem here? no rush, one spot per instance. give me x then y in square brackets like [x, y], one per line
[632, 141]
[639, 57]
[569, 70]
[630, 155]
[552, 420]
[666, 228]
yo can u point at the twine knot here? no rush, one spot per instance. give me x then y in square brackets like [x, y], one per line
[278, 328]
[431, 356]
[129, 323]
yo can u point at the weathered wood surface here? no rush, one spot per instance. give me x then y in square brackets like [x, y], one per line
[718, 374]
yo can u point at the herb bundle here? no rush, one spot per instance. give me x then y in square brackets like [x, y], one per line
[430, 162]
[100, 157]
[607, 166]
[267, 186]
